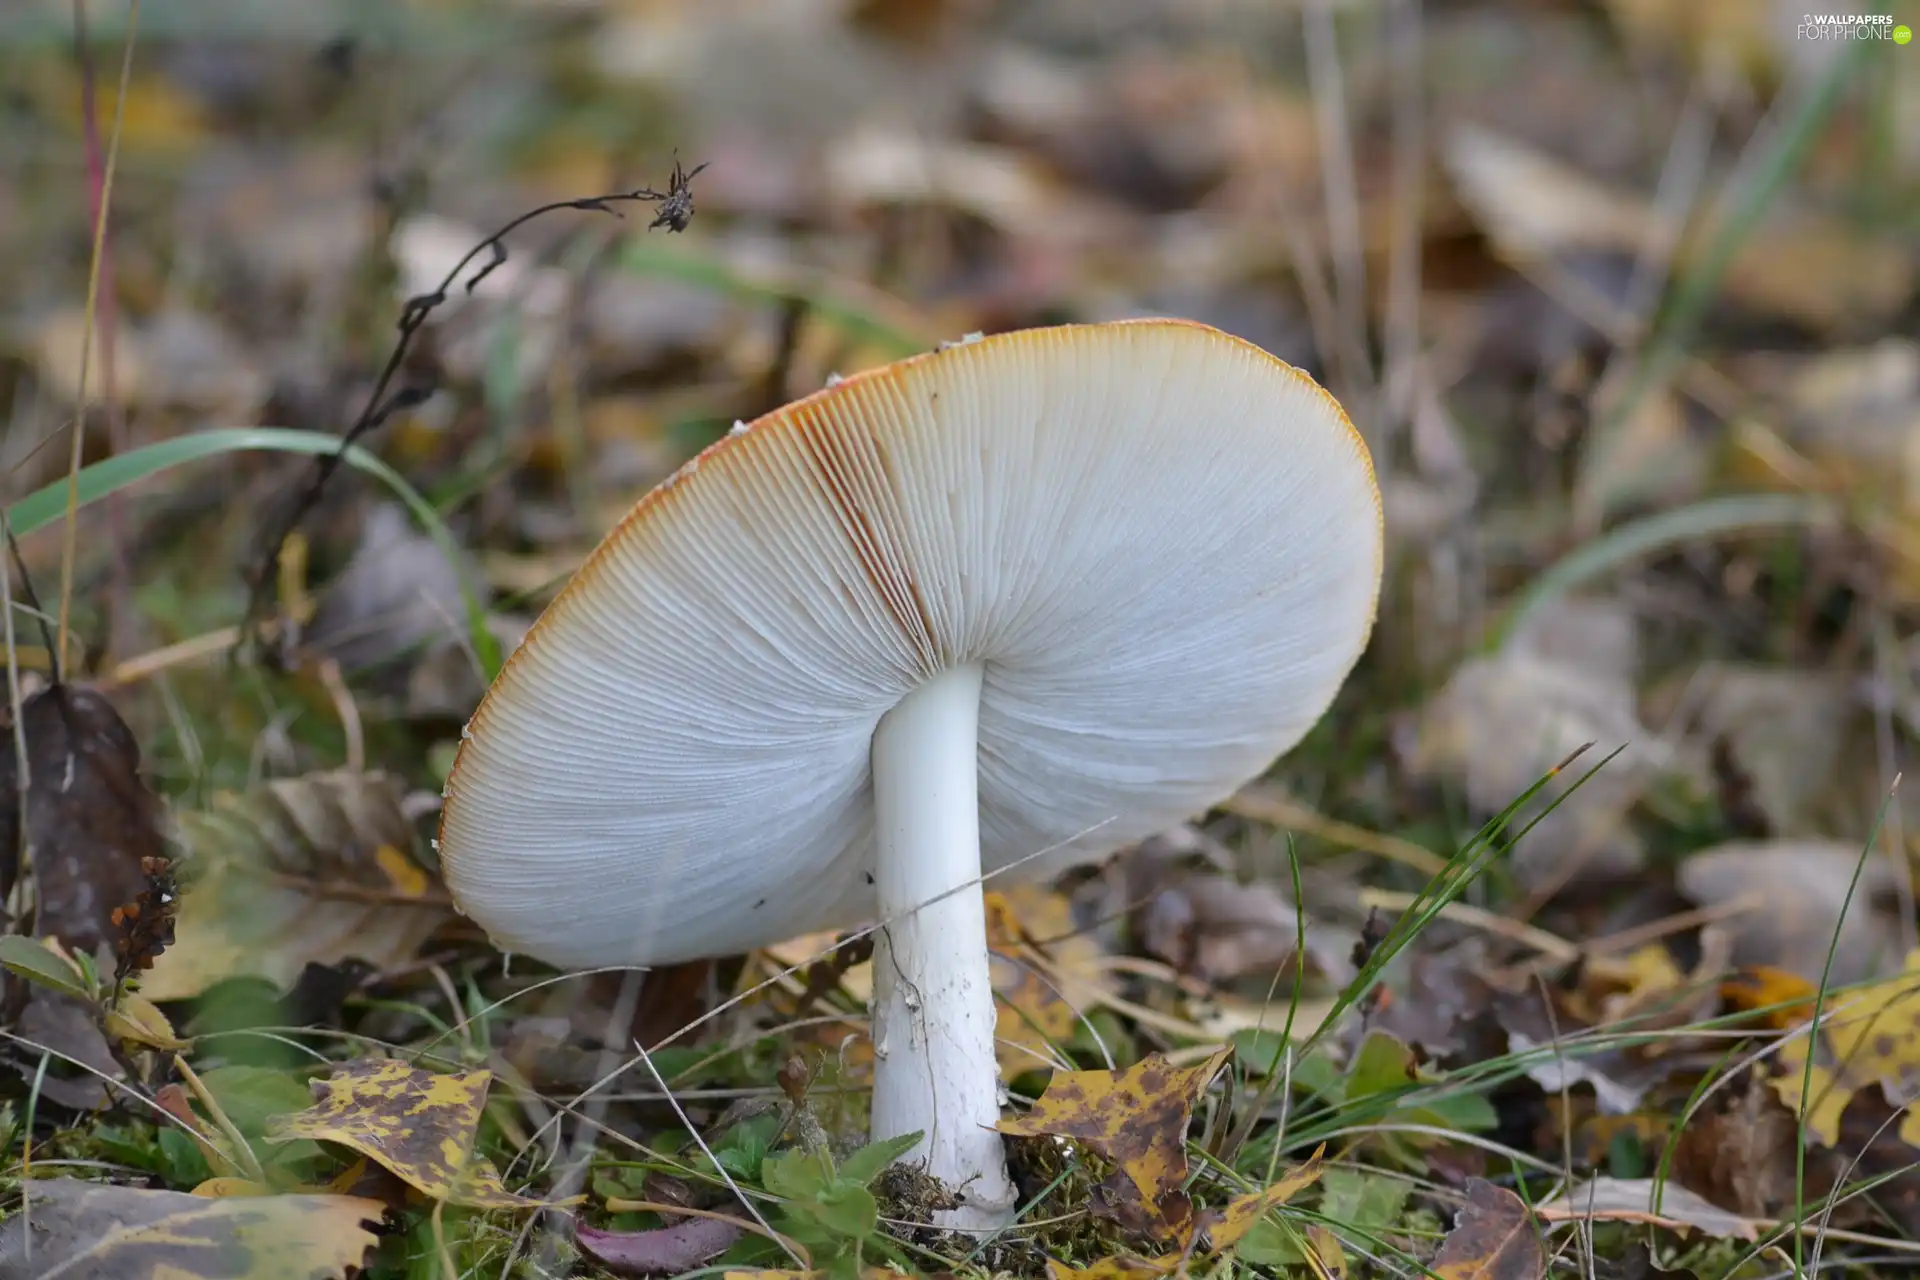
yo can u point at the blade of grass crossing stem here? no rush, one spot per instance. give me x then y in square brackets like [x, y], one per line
[39, 509]
[1461, 870]
[1622, 545]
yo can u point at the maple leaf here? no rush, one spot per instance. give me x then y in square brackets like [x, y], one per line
[417, 1124]
[1137, 1119]
[1493, 1238]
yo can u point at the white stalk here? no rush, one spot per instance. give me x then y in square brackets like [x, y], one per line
[933, 1014]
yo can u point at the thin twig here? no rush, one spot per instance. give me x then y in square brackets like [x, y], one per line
[675, 210]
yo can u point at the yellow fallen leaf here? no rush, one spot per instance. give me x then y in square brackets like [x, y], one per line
[1031, 1017]
[1119, 1267]
[1136, 1118]
[418, 1124]
[136, 1018]
[1868, 1035]
[1242, 1212]
[1324, 1253]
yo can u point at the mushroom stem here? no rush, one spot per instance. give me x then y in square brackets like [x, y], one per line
[933, 1015]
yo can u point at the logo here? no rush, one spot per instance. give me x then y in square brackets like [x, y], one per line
[1852, 26]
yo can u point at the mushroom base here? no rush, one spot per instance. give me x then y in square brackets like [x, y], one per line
[933, 1015]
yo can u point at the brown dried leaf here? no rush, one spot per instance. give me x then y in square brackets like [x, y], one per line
[1493, 1238]
[1743, 1152]
[1118, 1267]
[398, 597]
[1650, 1200]
[419, 1125]
[1797, 265]
[315, 869]
[1795, 891]
[1502, 722]
[683, 1246]
[90, 819]
[124, 1233]
[1136, 1118]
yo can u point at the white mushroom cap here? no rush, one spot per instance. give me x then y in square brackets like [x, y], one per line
[1163, 544]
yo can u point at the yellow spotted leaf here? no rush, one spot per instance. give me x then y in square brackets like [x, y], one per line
[418, 1124]
[1868, 1035]
[1493, 1238]
[1817, 1096]
[1241, 1213]
[108, 1232]
[1137, 1119]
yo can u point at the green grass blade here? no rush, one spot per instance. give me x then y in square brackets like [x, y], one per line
[45, 506]
[1626, 543]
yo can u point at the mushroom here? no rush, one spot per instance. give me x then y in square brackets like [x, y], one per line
[1010, 605]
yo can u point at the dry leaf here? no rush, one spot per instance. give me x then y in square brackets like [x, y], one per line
[1493, 1238]
[1795, 891]
[1241, 1213]
[316, 869]
[1867, 1035]
[1647, 1200]
[123, 1233]
[1119, 1267]
[90, 819]
[419, 1125]
[1137, 1119]
[1787, 997]
[1045, 975]
[1798, 265]
[135, 1018]
[685, 1245]
[1502, 722]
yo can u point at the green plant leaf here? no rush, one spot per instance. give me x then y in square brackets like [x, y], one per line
[31, 959]
[847, 1209]
[1269, 1244]
[796, 1175]
[1369, 1203]
[1382, 1065]
[742, 1150]
[870, 1161]
[110, 475]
